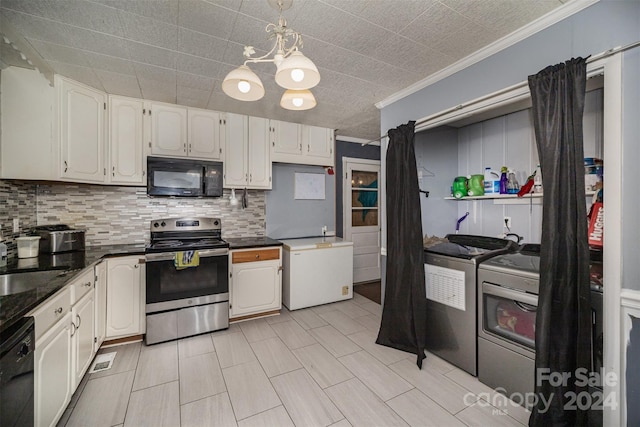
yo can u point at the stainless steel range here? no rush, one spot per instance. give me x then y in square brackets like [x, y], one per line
[187, 278]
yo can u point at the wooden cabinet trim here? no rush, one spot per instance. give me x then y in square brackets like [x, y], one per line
[254, 255]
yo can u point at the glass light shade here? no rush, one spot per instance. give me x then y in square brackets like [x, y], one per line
[243, 84]
[298, 100]
[297, 72]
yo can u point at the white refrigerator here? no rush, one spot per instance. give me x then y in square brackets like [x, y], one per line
[317, 270]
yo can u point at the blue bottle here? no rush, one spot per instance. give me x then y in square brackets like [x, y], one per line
[504, 181]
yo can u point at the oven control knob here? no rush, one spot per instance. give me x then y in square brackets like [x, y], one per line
[155, 224]
[163, 223]
[216, 222]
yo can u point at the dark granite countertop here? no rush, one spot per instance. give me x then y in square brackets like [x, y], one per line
[70, 264]
[251, 242]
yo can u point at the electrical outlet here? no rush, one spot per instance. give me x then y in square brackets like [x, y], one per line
[324, 229]
[16, 225]
[507, 222]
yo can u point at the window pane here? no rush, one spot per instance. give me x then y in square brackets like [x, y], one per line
[364, 217]
[364, 179]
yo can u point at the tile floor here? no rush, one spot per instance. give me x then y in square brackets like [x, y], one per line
[313, 367]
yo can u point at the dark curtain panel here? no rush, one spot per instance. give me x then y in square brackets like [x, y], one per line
[563, 317]
[403, 313]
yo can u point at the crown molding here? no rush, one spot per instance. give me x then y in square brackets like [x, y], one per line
[551, 18]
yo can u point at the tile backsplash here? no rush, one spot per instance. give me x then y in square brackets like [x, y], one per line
[122, 215]
[17, 200]
[117, 215]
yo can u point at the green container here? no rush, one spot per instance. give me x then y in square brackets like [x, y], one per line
[460, 187]
[475, 185]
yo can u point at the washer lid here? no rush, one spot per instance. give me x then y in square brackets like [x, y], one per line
[469, 246]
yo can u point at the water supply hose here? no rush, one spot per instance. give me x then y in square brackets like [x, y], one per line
[462, 218]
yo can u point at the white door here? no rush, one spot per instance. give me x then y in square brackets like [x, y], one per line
[259, 154]
[236, 174]
[125, 139]
[124, 304]
[286, 138]
[168, 129]
[318, 142]
[362, 216]
[204, 134]
[82, 111]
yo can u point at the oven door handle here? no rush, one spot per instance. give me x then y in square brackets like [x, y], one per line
[168, 256]
[512, 294]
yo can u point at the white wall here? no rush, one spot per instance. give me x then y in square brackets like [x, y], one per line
[503, 141]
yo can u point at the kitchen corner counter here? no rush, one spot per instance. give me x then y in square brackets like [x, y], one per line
[251, 242]
[70, 264]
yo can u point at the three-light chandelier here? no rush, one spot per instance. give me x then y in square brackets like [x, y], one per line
[294, 71]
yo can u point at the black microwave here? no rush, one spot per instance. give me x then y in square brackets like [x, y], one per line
[183, 177]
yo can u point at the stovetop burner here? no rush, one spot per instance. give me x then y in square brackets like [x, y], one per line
[187, 244]
[185, 234]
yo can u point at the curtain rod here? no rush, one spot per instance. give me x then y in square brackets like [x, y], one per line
[374, 140]
[597, 57]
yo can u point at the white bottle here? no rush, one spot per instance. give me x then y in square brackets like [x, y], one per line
[3, 251]
[491, 181]
[537, 180]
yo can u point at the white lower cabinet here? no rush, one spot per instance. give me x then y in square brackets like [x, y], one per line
[255, 284]
[82, 336]
[53, 385]
[106, 301]
[125, 297]
[100, 274]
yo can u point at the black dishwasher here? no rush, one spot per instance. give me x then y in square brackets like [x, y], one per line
[17, 349]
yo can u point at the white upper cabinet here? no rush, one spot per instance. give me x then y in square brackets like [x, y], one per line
[285, 139]
[82, 114]
[204, 134]
[318, 143]
[180, 131]
[247, 156]
[127, 163]
[301, 144]
[29, 148]
[168, 129]
[235, 167]
[259, 159]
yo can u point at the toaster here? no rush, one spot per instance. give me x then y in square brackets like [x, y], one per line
[58, 238]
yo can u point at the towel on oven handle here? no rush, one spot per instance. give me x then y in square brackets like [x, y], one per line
[186, 259]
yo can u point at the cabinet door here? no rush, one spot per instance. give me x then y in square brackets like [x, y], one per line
[318, 142]
[259, 154]
[124, 304]
[82, 334]
[204, 134]
[236, 151]
[285, 138]
[125, 140]
[29, 148]
[82, 111]
[256, 288]
[168, 130]
[100, 272]
[52, 370]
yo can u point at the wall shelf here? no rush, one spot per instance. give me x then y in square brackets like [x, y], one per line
[508, 199]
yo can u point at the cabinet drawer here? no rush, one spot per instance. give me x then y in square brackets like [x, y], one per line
[81, 286]
[52, 310]
[255, 255]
